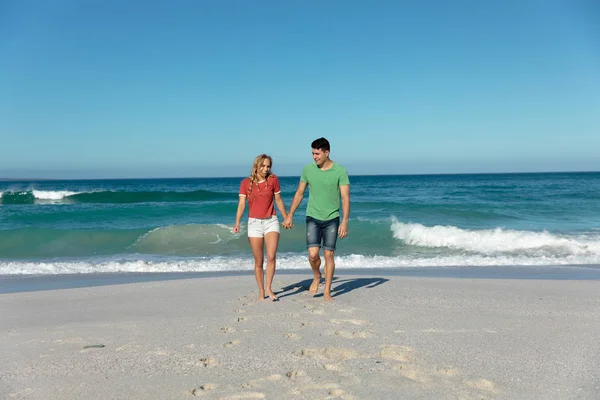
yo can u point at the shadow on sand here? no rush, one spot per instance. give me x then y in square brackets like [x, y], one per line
[338, 287]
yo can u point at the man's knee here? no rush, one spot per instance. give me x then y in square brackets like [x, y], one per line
[313, 253]
[329, 255]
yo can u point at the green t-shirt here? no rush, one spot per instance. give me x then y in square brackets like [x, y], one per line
[324, 190]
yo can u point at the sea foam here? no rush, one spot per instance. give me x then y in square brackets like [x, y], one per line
[284, 262]
[494, 241]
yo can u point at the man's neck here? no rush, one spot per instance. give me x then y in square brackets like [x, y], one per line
[326, 165]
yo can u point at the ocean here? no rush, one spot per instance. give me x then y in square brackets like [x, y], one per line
[499, 221]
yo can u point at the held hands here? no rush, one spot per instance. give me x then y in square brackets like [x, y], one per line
[287, 223]
[343, 229]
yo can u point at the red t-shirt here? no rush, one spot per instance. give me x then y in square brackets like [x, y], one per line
[261, 199]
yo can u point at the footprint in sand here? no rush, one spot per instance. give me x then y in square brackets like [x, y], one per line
[337, 392]
[439, 375]
[201, 391]
[412, 372]
[242, 319]
[245, 301]
[307, 324]
[257, 382]
[125, 347]
[348, 321]
[292, 336]
[447, 372]
[159, 352]
[328, 353]
[483, 384]
[244, 396]
[293, 315]
[232, 343]
[324, 385]
[73, 340]
[207, 362]
[347, 377]
[351, 335]
[227, 329]
[397, 353]
[239, 311]
[295, 375]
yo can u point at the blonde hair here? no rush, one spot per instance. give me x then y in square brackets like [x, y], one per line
[254, 178]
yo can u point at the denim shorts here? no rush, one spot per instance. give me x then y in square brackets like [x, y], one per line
[322, 233]
[259, 227]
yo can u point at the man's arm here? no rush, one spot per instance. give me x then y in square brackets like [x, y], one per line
[288, 223]
[345, 193]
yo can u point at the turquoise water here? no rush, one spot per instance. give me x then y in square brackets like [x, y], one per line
[175, 225]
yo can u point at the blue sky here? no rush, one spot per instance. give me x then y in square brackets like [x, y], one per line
[199, 88]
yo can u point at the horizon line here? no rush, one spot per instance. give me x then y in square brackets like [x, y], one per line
[295, 176]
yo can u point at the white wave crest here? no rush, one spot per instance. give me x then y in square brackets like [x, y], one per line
[52, 195]
[494, 241]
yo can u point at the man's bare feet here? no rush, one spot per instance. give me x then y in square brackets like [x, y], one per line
[314, 287]
[272, 295]
[327, 296]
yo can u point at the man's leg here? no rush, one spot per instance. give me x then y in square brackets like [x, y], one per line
[257, 244]
[315, 263]
[313, 243]
[329, 270]
[330, 235]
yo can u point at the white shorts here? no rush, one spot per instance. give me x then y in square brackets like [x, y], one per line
[259, 227]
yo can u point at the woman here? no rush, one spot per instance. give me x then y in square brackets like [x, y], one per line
[261, 189]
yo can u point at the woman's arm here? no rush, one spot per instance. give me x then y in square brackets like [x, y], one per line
[239, 214]
[280, 205]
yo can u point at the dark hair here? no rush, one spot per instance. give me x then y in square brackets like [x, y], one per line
[321, 144]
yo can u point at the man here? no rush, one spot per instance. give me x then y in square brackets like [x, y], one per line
[327, 181]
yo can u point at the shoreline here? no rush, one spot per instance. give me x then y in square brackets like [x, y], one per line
[382, 337]
[28, 283]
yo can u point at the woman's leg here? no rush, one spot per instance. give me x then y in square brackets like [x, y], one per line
[257, 244]
[272, 241]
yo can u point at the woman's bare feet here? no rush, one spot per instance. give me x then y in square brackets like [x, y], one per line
[261, 295]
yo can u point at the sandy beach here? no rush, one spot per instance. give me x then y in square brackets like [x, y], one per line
[384, 337]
